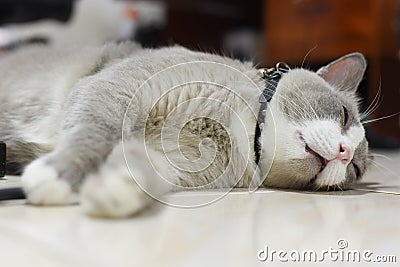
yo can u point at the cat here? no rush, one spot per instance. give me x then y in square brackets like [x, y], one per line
[117, 126]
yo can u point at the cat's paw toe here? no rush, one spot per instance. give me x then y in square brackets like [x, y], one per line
[112, 194]
[43, 187]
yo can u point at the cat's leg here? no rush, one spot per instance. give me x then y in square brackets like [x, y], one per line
[55, 178]
[132, 177]
[92, 118]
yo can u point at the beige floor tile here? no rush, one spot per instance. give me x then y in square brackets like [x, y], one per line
[229, 232]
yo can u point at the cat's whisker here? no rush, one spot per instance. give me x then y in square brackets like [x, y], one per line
[299, 93]
[381, 118]
[294, 108]
[315, 188]
[384, 168]
[373, 109]
[337, 187]
[306, 100]
[368, 112]
[301, 112]
[380, 168]
[308, 53]
[381, 156]
[376, 102]
[288, 115]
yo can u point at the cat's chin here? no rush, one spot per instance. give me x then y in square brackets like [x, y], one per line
[332, 174]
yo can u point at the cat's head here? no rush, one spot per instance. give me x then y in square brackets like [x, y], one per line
[319, 139]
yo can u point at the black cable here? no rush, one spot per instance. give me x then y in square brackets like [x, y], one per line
[2, 159]
[8, 193]
[12, 193]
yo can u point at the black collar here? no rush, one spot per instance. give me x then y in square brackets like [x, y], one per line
[272, 77]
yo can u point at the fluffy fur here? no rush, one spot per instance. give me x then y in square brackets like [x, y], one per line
[172, 119]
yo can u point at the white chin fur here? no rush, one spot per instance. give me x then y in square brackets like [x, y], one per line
[334, 173]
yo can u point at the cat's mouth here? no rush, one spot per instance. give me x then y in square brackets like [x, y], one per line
[322, 160]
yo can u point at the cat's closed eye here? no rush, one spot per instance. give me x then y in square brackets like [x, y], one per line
[345, 117]
[356, 169]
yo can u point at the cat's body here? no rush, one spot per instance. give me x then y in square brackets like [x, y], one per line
[171, 118]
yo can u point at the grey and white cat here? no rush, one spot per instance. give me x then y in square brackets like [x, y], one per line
[85, 122]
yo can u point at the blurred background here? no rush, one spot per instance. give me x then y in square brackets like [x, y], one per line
[299, 32]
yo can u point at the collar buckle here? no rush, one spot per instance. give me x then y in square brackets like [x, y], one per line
[272, 77]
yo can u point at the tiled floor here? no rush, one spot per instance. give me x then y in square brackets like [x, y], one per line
[230, 232]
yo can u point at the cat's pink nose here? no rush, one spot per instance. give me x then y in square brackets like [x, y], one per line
[344, 153]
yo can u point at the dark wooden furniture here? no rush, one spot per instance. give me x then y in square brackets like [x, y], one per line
[326, 29]
[201, 24]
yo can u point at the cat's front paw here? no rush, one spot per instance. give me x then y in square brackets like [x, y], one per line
[42, 185]
[112, 194]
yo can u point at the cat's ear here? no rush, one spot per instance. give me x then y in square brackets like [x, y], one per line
[346, 72]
